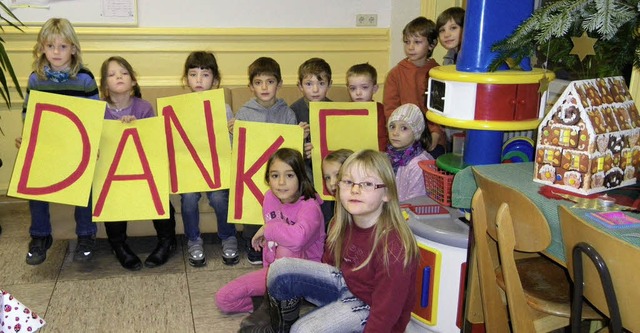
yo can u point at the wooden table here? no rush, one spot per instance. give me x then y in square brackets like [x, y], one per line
[520, 177]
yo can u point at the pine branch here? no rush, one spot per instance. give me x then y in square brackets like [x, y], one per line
[559, 19]
[609, 16]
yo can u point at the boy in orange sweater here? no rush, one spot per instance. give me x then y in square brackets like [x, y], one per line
[407, 81]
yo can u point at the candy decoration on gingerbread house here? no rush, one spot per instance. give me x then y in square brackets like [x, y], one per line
[590, 140]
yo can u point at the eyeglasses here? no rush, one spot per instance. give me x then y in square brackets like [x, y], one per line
[364, 186]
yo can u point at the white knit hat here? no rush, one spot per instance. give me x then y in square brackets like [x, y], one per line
[412, 115]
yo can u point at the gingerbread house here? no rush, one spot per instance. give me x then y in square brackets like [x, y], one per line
[589, 140]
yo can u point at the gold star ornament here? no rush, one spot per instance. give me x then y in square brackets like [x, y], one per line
[583, 46]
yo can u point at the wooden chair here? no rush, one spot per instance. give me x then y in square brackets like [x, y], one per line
[618, 257]
[537, 290]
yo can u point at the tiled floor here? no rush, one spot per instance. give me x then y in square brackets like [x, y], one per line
[101, 296]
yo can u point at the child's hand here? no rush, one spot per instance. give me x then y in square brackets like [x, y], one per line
[435, 137]
[230, 124]
[305, 127]
[18, 142]
[308, 147]
[128, 119]
[258, 240]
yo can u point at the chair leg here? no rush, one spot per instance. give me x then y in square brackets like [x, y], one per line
[615, 322]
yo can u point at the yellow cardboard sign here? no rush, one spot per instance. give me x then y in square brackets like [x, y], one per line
[340, 125]
[131, 178]
[198, 141]
[57, 157]
[254, 143]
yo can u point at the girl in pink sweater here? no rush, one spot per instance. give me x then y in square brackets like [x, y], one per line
[294, 227]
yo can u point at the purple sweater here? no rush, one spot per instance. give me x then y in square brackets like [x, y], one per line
[139, 108]
[292, 230]
[410, 178]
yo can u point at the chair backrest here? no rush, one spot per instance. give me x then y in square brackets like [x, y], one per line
[621, 258]
[495, 209]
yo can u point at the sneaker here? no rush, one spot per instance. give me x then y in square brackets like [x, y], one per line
[38, 249]
[84, 248]
[230, 254]
[254, 257]
[196, 253]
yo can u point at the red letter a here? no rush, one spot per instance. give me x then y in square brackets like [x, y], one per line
[146, 175]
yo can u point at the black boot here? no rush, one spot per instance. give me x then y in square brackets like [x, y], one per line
[126, 257]
[166, 230]
[259, 316]
[283, 314]
[160, 255]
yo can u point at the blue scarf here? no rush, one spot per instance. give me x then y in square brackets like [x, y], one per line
[56, 76]
[400, 158]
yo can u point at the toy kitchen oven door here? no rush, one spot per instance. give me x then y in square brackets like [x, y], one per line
[443, 240]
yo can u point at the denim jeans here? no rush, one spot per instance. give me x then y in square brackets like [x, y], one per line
[323, 285]
[41, 220]
[219, 201]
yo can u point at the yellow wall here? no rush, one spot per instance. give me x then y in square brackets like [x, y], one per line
[158, 54]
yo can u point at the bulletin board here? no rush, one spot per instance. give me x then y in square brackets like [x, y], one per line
[79, 12]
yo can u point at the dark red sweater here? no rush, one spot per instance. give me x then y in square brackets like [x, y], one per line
[389, 292]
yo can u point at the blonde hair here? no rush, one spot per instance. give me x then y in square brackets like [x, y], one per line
[373, 163]
[56, 27]
[338, 156]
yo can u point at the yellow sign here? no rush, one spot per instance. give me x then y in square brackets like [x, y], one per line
[198, 141]
[131, 178]
[338, 125]
[254, 143]
[57, 157]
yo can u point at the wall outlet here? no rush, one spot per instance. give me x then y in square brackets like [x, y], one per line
[366, 20]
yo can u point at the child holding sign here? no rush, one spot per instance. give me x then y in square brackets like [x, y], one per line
[120, 89]
[265, 79]
[362, 82]
[201, 73]
[294, 227]
[58, 69]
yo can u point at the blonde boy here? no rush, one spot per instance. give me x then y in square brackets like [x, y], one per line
[407, 81]
[362, 85]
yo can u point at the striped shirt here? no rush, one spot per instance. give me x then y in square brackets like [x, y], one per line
[84, 85]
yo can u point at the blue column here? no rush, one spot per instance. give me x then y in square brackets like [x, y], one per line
[482, 147]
